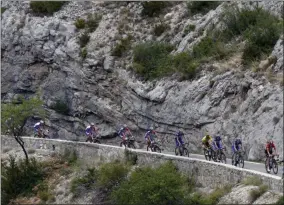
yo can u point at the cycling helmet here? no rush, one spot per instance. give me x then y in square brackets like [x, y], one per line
[238, 140]
[180, 133]
[207, 136]
[125, 126]
[151, 128]
[92, 124]
[41, 122]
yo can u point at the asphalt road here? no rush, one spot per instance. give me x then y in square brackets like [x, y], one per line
[248, 165]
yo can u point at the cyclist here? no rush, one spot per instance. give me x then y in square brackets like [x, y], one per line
[269, 150]
[39, 128]
[124, 132]
[206, 140]
[91, 132]
[217, 143]
[179, 142]
[236, 147]
[150, 137]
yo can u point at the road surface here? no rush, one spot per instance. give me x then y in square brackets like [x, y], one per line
[248, 165]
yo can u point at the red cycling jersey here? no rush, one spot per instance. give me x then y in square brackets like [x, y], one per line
[269, 146]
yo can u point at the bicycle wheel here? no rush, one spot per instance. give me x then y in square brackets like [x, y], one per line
[265, 164]
[214, 156]
[122, 144]
[233, 159]
[185, 152]
[157, 149]
[206, 154]
[274, 166]
[97, 141]
[176, 151]
[241, 162]
[223, 158]
[131, 145]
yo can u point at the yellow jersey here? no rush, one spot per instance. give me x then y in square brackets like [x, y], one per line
[204, 139]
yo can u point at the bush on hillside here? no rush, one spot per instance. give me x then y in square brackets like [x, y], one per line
[160, 29]
[202, 6]
[111, 174]
[60, 107]
[153, 8]
[19, 178]
[258, 27]
[122, 47]
[80, 23]
[163, 185]
[3, 10]
[93, 21]
[46, 7]
[84, 53]
[188, 29]
[87, 181]
[209, 47]
[150, 58]
[153, 60]
[280, 201]
[84, 39]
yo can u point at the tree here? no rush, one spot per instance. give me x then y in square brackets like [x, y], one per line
[14, 116]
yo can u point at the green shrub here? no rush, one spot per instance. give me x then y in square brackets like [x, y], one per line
[80, 23]
[46, 7]
[159, 29]
[60, 107]
[84, 53]
[44, 193]
[84, 39]
[184, 64]
[258, 27]
[70, 156]
[123, 46]
[188, 29]
[163, 185]
[202, 6]
[280, 201]
[218, 193]
[93, 21]
[209, 47]
[150, 59]
[131, 157]
[19, 178]
[153, 59]
[3, 10]
[87, 181]
[152, 8]
[256, 193]
[261, 39]
[253, 180]
[31, 151]
[111, 174]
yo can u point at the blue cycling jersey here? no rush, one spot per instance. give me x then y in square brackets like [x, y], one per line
[178, 139]
[150, 135]
[37, 126]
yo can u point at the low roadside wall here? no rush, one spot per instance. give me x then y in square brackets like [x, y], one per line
[207, 174]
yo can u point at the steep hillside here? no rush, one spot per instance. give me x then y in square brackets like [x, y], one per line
[89, 69]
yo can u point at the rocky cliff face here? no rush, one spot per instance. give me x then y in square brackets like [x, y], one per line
[42, 53]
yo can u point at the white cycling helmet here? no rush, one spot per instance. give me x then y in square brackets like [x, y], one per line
[124, 125]
[41, 122]
[92, 124]
[151, 128]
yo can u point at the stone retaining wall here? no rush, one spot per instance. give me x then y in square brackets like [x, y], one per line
[208, 174]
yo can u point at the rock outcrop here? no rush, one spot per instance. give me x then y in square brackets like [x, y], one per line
[43, 53]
